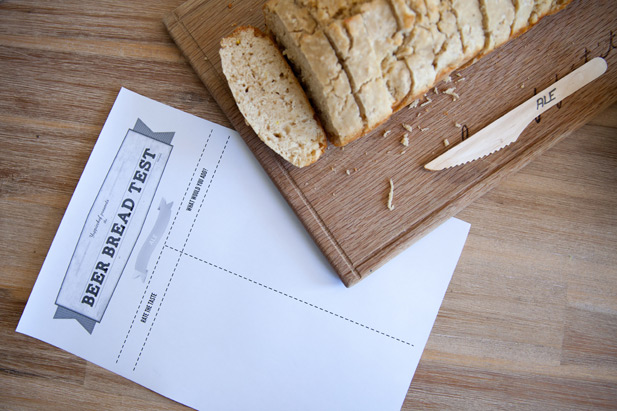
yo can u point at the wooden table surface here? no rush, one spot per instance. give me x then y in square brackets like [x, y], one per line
[529, 320]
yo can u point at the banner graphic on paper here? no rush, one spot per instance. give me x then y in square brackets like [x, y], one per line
[113, 225]
[143, 257]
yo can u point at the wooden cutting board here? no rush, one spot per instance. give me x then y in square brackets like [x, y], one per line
[341, 199]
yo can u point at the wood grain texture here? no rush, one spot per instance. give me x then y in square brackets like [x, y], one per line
[529, 320]
[342, 198]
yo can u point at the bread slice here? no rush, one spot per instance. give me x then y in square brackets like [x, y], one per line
[543, 8]
[417, 50]
[450, 55]
[522, 13]
[470, 27]
[323, 77]
[498, 19]
[347, 34]
[427, 49]
[356, 54]
[405, 16]
[270, 97]
[387, 23]
[540, 9]
[325, 11]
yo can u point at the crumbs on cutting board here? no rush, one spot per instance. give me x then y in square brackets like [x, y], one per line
[414, 104]
[390, 204]
[452, 93]
[411, 127]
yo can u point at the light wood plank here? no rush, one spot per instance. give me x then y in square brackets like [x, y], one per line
[527, 323]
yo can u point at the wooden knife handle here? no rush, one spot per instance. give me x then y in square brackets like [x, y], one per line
[552, 95]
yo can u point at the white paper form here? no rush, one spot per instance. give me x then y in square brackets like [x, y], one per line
[178, 265]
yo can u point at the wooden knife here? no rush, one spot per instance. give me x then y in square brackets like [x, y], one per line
[506, 130]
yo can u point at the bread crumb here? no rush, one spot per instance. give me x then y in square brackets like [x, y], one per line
[347, 172]
[461, 79]
[407, 127]
[452, 93]
[229, 5]
[403, 152]
[423, 129]
[522, 86]
[426, 103]
[435, 90]
[447, 80]
[355, 169]
[391, 196]
[405, 140]
[446, 143]
[459, 75]
[387, 133]
[458, 125]
[414, 104]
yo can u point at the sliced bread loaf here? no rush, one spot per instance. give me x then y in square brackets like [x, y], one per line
[361, 60]
[270, 97]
